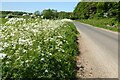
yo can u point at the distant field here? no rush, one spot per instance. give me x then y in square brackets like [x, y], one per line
[2, 20]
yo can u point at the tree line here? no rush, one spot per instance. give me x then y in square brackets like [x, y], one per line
[54, 14]
[85, 10]
[3, 14]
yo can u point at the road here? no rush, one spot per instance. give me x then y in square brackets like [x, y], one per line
[98, 51]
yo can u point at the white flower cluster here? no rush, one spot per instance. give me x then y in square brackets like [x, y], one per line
[33, 47]
[68, 20]
[18, 32]
[14, 20]
[2, 55]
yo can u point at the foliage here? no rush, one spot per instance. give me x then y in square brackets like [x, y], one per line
[63, 15]
[49, 13]
[37, 13]
[53, 14]
[85, 10]
[38, 48]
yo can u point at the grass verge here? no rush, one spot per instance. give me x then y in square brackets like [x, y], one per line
[106, 23]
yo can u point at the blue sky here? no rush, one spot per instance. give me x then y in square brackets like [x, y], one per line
[33, 6]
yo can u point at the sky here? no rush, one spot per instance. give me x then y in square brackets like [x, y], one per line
[34, 6]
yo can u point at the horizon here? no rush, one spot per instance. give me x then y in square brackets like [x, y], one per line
[26, 11]
[37, 6]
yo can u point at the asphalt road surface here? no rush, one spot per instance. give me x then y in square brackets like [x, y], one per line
[99, 48]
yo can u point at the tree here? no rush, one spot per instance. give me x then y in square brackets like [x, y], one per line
[37, 13]
[62, 15]
[49, 14]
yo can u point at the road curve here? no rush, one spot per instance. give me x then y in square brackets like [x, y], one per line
[101, 51]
